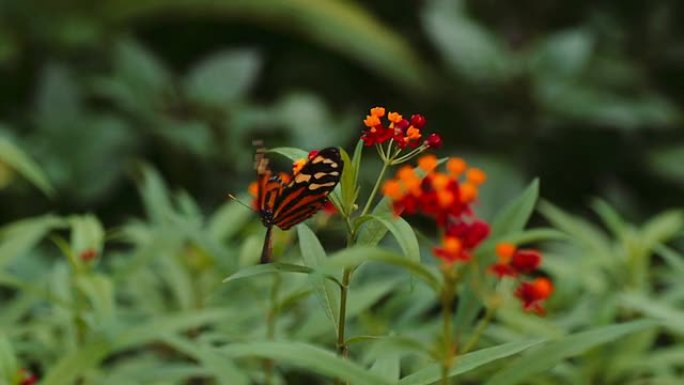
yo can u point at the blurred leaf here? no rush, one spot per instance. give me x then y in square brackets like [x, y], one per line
[87, 233]
[223, 78]
[370, 233]
[662, 228]
[667, 162]
[19, 237]
[225, 371]
[550, 354]
[145, 77]
[349, 189]
[514, 216]
[58, 101]
[13, 156]
[8, 361]
[339, 25]
[468, 362]
[610, 217]
[229, 219]
[471, 50]
[74, 364]
[564, 54]
[673, 318]
[155, 195]
[387, 367]
[306, 356]
[290, 153]
[99, 289]
[314, 255]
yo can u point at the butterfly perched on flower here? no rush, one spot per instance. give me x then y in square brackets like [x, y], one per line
[285, 200]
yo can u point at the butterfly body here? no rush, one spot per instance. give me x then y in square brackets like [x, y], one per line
[285, 202]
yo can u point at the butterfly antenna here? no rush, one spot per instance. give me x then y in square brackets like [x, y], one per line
[236, 199]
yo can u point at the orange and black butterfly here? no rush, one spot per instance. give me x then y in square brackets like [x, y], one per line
[285, 201]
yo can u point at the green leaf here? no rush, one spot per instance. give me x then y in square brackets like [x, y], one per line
[13, 156]
[662, 228]
[309, 357]
[468, 362]
[19, 237]
[225, 371]
[349, 183]
[554, 352]
[229, 219]
[672, 318]
[87, 233]
[610, 217]
[155, 195]
[73, 365]
[387, 367]
[402, 232]
[372, 232]
[99, 289]
[314, 256]
[342, 26]
[8, 360]
[223, 78]
[515, 215]
[472, 50]
[268, 268]
[354, 256]
[290, 152]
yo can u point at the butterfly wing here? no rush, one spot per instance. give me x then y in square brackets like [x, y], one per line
[308, 190]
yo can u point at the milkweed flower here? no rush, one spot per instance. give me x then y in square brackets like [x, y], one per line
[447, 197]
[519, 263]
[382, 127]
[533, 293]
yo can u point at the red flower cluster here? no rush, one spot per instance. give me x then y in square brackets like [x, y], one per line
[27, 378]
[444, 197]
[514, 262]
[406, 133]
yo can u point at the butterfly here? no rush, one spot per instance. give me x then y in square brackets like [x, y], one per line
[286, 200]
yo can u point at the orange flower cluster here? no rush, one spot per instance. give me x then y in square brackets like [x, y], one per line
[514, 262]
[405, 132]
[446, 197]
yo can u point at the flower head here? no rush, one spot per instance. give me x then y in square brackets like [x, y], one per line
[406, 133]
[440, 195]
[533, 293]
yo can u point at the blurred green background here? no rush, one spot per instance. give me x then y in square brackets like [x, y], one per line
[585, 95]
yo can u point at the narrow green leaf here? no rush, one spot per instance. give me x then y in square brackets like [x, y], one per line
[343, 26]
[347, 184]
[387, 367]
[402, 232]
[554, 352]
[99, 289]
[314, 256]
[674, 260]
[73, 365]
[673, 318]
[223, 78]
[226, 372]
[290, 152]
[468, 362]
[229, 219]
[662, 228]
[87, 233]
[354, 256]
[14, 157]
[610, 217]
[8, 360]
[268, 268]
[312, 358]
[155, 195]
[515, 215]
[19, 237]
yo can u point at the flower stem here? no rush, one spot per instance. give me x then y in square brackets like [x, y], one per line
[479, 329]
[271, 326]
[447, 298]
[371, 198]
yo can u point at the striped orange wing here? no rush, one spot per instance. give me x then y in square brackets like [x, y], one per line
[308, 190]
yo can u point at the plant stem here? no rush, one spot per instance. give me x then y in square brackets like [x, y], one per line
[479, 329]
[271, 326]
[371, 198]
[342, 349]
[447, 297]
